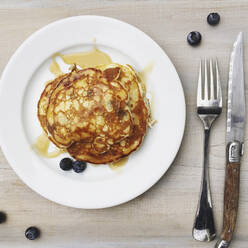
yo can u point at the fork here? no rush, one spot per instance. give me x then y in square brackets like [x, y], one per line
[209, 107]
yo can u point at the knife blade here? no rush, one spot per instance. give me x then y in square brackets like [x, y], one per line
[236, 94]
[234, 141]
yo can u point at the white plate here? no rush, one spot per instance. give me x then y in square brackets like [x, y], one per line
[23, 81]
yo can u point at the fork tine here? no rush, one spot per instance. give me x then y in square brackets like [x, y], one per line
[199, 87]
[218, 86]
[211, 80]
[206, 81]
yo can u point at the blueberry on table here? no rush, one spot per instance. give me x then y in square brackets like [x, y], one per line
[66, 164]
[213, 18]
[3, 217]
[79, 166]
[32, 233]
[194, 38]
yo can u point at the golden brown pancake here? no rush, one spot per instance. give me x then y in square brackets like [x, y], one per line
[98, 114]
[44, 102]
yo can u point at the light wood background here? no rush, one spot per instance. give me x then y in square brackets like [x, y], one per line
[163, 216]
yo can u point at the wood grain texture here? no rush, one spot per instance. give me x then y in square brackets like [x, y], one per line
[162, 217]
[231, 200]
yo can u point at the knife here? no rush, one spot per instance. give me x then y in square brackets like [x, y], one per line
[234, 141]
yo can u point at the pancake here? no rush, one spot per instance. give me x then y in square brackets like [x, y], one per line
[44, 102]
[98, 115]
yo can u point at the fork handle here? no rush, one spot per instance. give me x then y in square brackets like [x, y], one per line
[203, 229]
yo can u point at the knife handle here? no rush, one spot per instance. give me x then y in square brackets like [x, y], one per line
[231, 199]
[231, 193]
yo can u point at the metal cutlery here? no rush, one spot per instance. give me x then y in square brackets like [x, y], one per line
[209, 107]
[234, 141]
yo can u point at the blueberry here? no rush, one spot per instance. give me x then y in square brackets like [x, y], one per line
[213, 18]
[194, 38]
[66, 164]
[3, 217]
[32, 233]
[79, 166]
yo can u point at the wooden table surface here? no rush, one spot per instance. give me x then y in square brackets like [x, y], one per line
[163, 216]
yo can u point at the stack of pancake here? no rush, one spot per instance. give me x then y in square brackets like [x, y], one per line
[98, 115]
